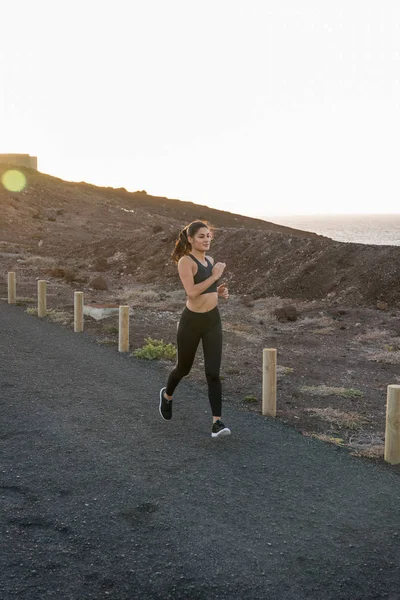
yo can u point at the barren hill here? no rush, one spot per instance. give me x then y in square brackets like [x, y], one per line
[130, 236]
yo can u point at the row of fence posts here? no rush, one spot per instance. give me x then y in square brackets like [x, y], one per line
[269, 378]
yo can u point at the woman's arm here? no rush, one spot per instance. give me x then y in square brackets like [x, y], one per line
[186, 274]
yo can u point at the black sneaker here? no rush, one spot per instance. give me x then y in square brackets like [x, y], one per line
[165, 406]
[219, 429]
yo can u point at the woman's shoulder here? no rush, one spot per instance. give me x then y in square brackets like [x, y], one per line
[185, 258]
[185, 262]
[210, 258]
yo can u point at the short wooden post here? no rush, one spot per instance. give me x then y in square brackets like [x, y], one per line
[78, 312]
[269, 382]
[392, 435]
[123, 342]
[42, 302]
[12, 288]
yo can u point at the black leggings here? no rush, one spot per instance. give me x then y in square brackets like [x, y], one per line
[194, 327]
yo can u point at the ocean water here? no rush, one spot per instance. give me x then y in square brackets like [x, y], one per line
[361, 229]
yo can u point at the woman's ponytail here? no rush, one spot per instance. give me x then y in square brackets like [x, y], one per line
[182, 245]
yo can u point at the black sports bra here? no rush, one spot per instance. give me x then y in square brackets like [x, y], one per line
[204, 273]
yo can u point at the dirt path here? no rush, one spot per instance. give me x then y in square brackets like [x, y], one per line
[100, 498]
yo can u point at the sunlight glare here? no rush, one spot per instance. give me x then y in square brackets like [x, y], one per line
[13, 180]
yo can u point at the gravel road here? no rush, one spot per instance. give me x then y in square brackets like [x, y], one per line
[101, 498]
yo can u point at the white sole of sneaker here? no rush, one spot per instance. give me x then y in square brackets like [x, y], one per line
[221, 433]
[159, 406]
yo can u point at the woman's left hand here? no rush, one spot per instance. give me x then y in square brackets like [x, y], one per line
[223, 291]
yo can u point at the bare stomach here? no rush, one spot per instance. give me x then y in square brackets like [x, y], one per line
[203, 303]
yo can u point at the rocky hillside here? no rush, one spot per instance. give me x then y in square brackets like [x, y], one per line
[130, 236]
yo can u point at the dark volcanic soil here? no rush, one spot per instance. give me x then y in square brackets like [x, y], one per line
[133, 234]
[334, 361]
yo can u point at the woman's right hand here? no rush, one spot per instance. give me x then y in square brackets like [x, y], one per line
[218, 269]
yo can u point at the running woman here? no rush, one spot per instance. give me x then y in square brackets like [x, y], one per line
[200, 319]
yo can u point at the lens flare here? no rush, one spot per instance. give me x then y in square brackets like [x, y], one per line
[13, 180]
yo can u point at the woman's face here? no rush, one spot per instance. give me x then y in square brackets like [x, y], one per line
[201, 240]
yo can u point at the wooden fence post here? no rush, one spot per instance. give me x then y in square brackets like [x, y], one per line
[78, 312]
[42, 302]
[269, 382]
[12, 288]
[392, 435]
[123, 341]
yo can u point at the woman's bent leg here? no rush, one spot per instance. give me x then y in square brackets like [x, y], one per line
[212, 347]
[188, 339]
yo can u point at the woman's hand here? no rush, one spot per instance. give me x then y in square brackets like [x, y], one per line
[223, 291]
[218, 270]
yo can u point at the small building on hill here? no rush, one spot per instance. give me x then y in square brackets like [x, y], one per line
[19, 160]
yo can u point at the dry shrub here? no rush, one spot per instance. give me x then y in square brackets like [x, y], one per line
[59, 316]
[139, 297]
[348, 420]
[265, 307]
[320, 321]
[369, 445]
[177, 296]
[371, 452]
[175, 304]
[247, 332]
[237, 327]
[118, 257]
[324, 390]
[25, 300]
[331, 439]
[388, 357]
[324, 331]
[374, 335]
[35, 260]
[106, 341]
[281, 370]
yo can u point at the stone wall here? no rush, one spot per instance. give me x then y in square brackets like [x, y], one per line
[19, 160]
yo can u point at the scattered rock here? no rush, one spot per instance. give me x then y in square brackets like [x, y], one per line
[100, 264]
[286, 313]
[99, 283]
[70, 275]
[247, 300]
[380, 305]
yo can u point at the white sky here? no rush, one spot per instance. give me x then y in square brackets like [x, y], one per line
[261, 107]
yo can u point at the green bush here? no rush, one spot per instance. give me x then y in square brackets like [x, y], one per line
[250, 398]
[111, 329]
[156, 350]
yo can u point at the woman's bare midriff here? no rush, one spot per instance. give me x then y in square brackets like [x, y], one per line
[203, 303]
